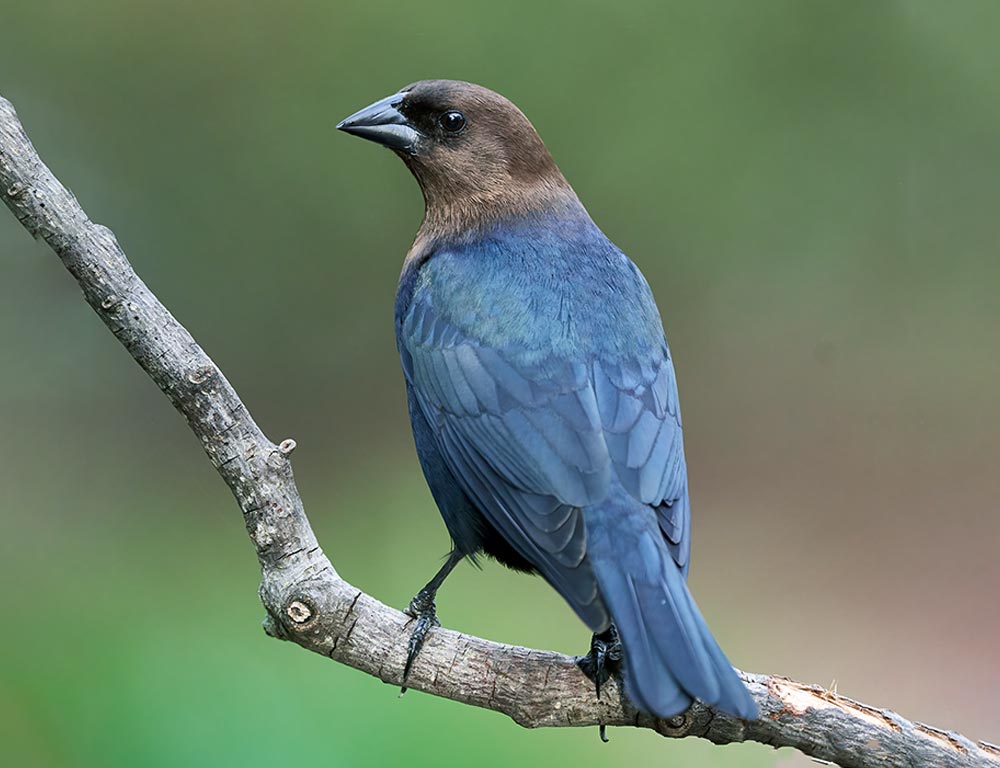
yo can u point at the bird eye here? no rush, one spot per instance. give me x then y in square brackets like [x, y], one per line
[452, 121]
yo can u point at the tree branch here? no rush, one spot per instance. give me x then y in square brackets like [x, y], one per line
[308, 603]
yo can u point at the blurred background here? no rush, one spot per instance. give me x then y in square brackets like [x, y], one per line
[810, 188]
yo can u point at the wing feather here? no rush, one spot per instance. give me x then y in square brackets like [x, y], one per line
[534, 439]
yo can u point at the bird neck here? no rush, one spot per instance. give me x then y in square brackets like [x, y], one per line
[463, 215]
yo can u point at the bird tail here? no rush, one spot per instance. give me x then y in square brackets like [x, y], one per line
[670, 655]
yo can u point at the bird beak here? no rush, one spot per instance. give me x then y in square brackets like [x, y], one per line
[383, 123]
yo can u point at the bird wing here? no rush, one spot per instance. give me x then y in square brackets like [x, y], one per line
[533, 437]
[640, 412]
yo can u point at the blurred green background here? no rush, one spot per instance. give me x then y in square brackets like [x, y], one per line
[811, 189]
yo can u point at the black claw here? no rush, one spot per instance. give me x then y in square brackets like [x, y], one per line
[600, 652]
[423, 609]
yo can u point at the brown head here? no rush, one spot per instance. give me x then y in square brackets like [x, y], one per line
[475, 155]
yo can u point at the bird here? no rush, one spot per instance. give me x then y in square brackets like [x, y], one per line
[542, 396]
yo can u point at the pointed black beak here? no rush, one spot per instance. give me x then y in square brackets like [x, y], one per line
[383, 123]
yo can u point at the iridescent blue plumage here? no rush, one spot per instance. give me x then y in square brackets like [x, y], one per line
[536, 361]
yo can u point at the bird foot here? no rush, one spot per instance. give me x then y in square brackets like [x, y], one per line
[604, 660]
[423, 609]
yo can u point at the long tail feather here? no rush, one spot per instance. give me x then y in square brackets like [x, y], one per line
[671, 656]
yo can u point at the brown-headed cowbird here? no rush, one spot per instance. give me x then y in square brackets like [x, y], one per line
[542, 394]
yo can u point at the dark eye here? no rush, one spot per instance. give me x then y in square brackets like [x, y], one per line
[452, 121]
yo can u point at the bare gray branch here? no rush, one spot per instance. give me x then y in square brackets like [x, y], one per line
[308, 603]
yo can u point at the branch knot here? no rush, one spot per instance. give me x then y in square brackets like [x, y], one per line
[301, 612]
[201, 375]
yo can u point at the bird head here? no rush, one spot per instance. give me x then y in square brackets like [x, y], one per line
[473, 152]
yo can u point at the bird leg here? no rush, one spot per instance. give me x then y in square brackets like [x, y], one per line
[423, 609]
